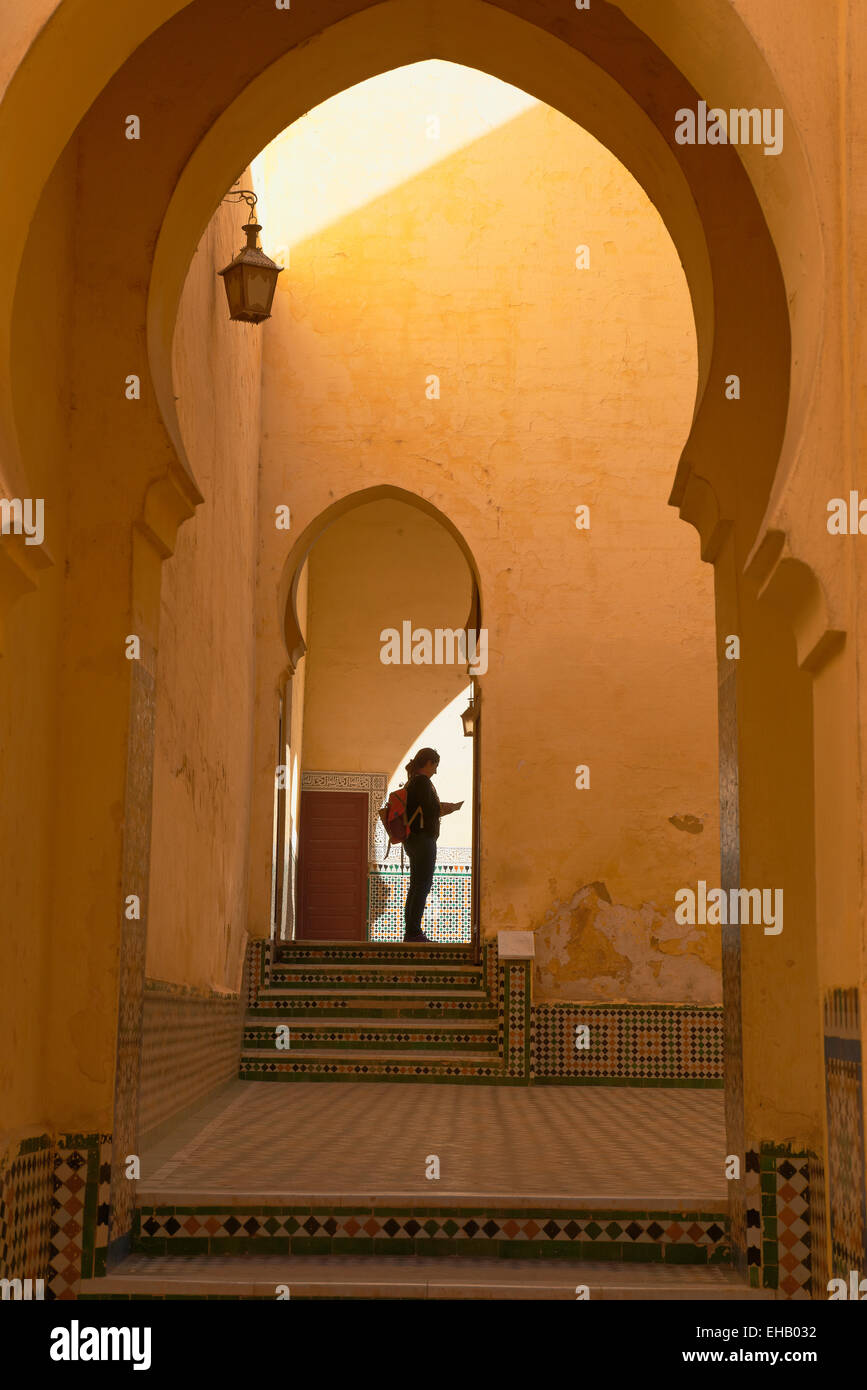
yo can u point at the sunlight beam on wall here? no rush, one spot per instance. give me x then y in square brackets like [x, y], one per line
[368, 140]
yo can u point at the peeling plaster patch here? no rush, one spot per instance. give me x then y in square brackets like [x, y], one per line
[691, 824]
[589, 947]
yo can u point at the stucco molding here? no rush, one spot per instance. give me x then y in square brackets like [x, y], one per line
[794, 590]
[698, 504]
[169, 501]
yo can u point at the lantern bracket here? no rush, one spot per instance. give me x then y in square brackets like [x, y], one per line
[243, 195]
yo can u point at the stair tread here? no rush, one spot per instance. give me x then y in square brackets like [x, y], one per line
[373, 993]
[371, 1055]
[480, 1025]
[420, 1275]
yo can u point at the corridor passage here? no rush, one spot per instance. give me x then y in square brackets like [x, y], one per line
[664, 1147]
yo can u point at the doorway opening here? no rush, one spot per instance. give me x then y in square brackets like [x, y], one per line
[387, 612]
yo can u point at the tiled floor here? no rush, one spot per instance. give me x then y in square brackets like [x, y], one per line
[568, 1144]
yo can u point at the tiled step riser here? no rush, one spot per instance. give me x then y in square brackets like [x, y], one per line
[372, 954]
[382, 994]
[312, 1009]
[282, 981]
[376, 1045]
[256, 1068]
[659, 1237]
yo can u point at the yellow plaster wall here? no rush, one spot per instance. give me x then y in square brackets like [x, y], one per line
[378, 561]
[205, 670]
[559, 387]
[34, 912]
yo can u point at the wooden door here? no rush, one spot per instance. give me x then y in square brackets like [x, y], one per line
[332, 866]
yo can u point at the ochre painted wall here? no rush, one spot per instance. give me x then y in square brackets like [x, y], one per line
[373, 569]
[34, 913]
[205, 671]
[559, 387]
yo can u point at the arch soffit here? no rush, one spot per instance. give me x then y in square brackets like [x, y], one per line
[295, 560]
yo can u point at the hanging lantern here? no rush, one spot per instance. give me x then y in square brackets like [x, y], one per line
[251, 278]
[468, 718]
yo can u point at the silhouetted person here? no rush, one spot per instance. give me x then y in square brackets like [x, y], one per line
[423, 812]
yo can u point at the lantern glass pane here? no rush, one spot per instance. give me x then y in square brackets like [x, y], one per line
[234, 282]
[258, 289]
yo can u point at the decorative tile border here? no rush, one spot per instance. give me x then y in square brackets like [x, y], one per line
[448, 912]
[844, 1094]
[669, 1237]
[819, 1232]
[375, 784]
[255, 1068]
[320, 1006]
[258, 966]
[782, 1189]
[752, 1218]
[630, 1044]
[491, 969]
[81, 1182]
[419, 1035]
[25, 1209]
[363, 953]
[133, 935]
[54, 1211]
[377, 977]
[514, 1014]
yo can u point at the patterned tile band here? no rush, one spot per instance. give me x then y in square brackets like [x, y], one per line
[25, 1210]
[447, 915]
[844, 1096]
[782, 1189]
[663, 1236]
[671, 1044]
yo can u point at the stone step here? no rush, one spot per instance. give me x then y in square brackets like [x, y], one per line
[375, 1033]
[335, 1004]
[372, 1055]
[472, 1024]
[413, 976]
[360, 1037]
[291, 993]
[382, 1065]
[414, 1277]
[674, 1229]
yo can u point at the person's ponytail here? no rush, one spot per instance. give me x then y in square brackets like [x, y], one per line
[421, 759]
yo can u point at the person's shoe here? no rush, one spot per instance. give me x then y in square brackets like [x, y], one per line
[421, 937]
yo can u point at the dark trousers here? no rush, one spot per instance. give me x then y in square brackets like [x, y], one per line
[421, 851]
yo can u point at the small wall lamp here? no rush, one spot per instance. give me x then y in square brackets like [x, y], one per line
[251, 278]
[469, 716]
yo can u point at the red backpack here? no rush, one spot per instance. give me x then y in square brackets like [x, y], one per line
[393, 817]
